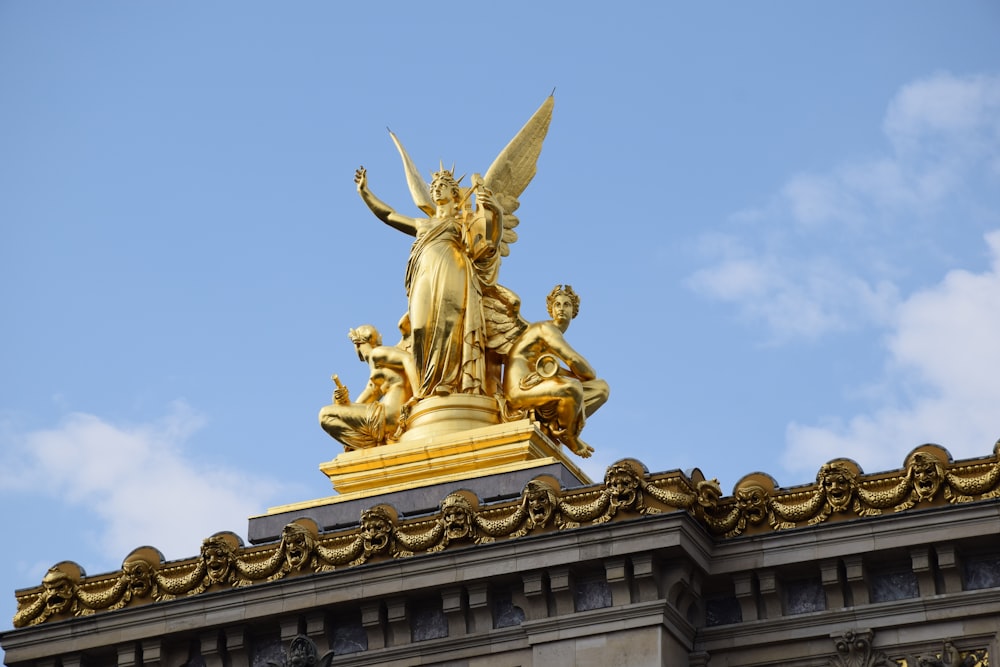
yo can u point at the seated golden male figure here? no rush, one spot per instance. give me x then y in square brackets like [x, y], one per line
[545, 374]
[372, 420]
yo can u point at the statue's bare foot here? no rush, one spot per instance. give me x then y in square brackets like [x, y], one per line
[580, 448]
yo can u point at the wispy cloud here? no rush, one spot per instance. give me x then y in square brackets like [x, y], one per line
[137, 481]
[832, 251]
[940, 381]
[794, 297]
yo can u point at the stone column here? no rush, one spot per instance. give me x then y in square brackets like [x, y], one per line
[127, 655]
[948, 564]
[451, 604]
[769, 593]
[644, 573]
[743, 585]
[920, 557]
[372, 621]
[616, 572]
[559, 581]
[316, 631]
[856, 579]
[236, 649]
[289, 629]
[481, 619]
[534, 592]
[151, 651]
[399, 628]
[830, 573]
[211, 648]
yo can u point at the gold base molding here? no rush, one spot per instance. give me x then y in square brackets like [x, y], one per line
[449, 415]
[430, 460]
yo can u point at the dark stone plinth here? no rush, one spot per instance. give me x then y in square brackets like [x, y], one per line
[411, 502]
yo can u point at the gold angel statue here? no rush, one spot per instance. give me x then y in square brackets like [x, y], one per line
[460, 316]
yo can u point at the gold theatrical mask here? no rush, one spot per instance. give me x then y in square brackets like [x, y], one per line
[377, 526]
[622, 484]
[457, 517]
[60, 591]
[139, 575]
[546, 375]
[218, 553]
[540, 503]
[926, 475]
[752, 501]
[58, 597]
[839, 483]
[298, 543]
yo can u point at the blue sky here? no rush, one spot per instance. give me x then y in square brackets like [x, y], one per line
[783, 220]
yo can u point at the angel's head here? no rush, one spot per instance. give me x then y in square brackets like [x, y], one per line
[445, 187]
[563, 303]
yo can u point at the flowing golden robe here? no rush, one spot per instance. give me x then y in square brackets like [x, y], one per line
[445, 293]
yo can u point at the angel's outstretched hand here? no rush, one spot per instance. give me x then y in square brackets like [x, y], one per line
[485, 198]
[361, 179]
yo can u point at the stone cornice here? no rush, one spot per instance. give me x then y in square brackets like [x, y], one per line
[630, 498]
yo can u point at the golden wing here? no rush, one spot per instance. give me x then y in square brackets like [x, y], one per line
[515, 166]
[419, 189]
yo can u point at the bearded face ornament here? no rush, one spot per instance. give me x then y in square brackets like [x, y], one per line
[377, 526]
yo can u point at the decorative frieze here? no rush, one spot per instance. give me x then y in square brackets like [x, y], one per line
[628, 492]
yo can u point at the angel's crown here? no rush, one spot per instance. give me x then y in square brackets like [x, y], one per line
[447, 176]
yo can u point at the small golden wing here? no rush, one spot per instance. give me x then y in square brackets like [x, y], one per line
[419, 189]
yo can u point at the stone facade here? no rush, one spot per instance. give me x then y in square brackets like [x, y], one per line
[915, 587]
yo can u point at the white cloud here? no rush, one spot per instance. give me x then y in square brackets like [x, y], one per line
[965, 111]
[941, 385]
[137, 480]
[796, 299]
[828, 251]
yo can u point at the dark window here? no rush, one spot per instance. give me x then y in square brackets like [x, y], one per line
[427, 621]
[722, 610]
[981, 571]
[803, 596]
[505, 614]
[893, 584]
[591, 591]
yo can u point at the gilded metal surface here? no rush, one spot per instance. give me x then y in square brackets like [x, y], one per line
[544, 374]
[628, 492]
[372, 419]
[463, 333]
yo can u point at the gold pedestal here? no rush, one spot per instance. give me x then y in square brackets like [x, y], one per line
[449, 440]
[424, 461]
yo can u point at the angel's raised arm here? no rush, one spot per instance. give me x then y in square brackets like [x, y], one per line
[383, 211]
